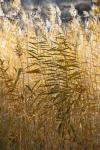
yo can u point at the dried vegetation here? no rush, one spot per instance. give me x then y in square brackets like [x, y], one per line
[50, 89]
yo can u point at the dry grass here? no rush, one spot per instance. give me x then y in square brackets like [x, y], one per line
[50, 89]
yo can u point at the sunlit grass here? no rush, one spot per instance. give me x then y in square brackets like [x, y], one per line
[50, 88]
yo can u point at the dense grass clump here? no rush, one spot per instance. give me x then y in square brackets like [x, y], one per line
[50, 89]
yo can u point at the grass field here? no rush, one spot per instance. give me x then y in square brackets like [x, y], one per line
[50, 88]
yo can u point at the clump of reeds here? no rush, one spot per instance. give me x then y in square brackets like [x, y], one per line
[50, 89]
